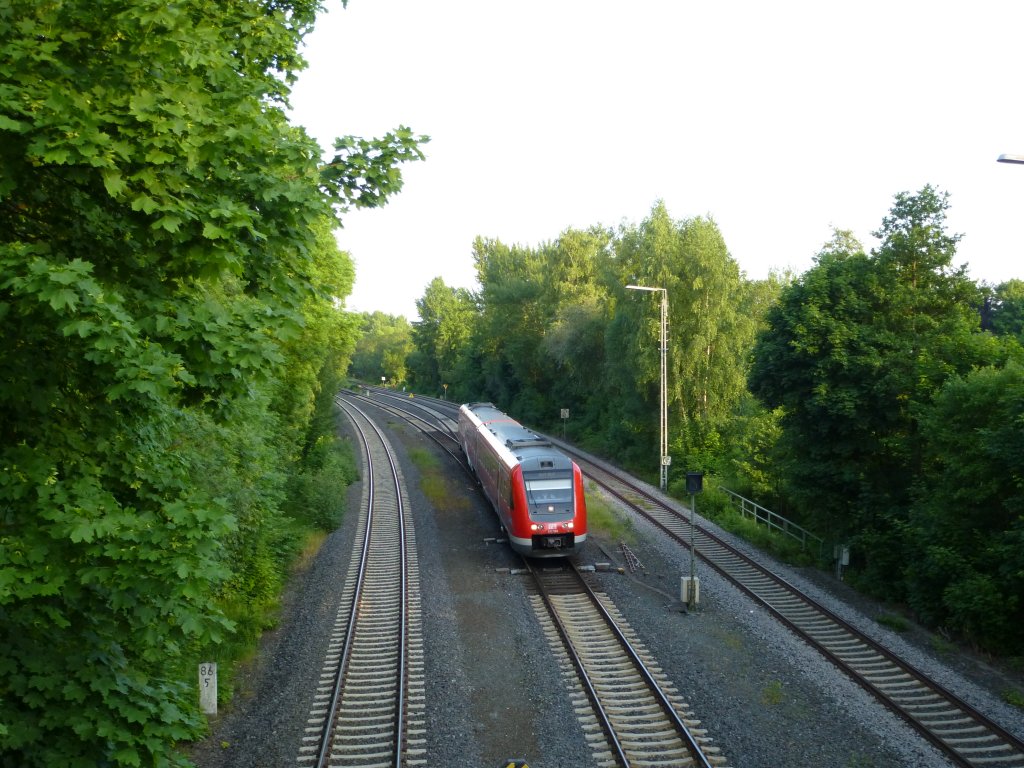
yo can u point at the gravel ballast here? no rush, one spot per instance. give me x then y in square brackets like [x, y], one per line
[494, 690]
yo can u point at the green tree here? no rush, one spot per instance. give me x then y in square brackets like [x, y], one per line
[1007, 309]
[512, 326]
[854, 352]
[751, 433]
[384, 346]
[442, 334]
[811, 361]
[161, 264]
[709, 334]
[578, 312]
[967, 573]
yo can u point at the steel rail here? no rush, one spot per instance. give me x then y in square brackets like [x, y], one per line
[634, 656]
[581, 670]
[429, 430]
[357, 597]
[325, 738]
[404, 599]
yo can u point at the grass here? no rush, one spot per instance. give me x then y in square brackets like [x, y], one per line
[783, 547]
[605, 519]
[772, 693]
[1013, 697]
[239, 648]
[716, 506]
[942, 646]
[314, 540]
[893, 622]
[442, 491]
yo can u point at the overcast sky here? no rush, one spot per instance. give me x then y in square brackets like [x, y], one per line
[778, 120]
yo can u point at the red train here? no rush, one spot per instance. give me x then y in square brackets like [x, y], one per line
[536, 490]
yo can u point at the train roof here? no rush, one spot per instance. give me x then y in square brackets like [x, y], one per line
[508, 434]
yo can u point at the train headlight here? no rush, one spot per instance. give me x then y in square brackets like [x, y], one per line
[536, 526]
[567, 526]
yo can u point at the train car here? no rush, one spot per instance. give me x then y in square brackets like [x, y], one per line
[536, 489]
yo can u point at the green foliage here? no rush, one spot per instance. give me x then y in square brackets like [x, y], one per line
[383, 349]
[855, 350]
[1007, 309]
[365, 172]
[170, 347]
[713, 317]
[1014, 698]
[967, 572]
[313, 495]
[901, 426]
[553, 327]
[441, 336]
[893, 622]
[773, 693]
[714, 505]
[606, 520]
[445, 493]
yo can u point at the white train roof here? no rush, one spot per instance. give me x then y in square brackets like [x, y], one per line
[514, 442]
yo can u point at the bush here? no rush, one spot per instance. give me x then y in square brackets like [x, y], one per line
[315, 492]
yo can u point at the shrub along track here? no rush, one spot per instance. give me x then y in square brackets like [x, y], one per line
[369, 707]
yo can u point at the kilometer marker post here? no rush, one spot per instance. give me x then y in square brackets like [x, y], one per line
[208, 687]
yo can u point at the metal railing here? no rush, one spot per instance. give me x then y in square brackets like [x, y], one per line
[774, 521]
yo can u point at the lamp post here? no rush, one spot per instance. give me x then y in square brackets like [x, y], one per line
[1015, 159]
[664, 460]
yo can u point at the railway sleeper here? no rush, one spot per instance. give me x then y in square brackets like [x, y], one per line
[364, 716]
[920, 696]
[932, 707]
[961, 736]
[891, 681]
[935, 723]
[637, 709]
[650, 729]
[668, 743]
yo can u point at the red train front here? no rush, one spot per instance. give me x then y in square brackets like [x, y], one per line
[536, 490]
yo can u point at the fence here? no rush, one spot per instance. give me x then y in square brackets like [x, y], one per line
[773, 521]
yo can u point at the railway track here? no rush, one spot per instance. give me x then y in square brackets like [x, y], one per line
[631, 714]
[433, 423]
[964, 734]
[369, 707]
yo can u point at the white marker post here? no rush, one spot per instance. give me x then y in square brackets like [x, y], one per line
[208, 687]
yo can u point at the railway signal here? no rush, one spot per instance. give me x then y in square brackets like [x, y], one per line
[691, 586]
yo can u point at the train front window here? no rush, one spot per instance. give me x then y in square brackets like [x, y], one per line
[548, 491]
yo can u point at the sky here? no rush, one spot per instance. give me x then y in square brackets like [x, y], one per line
[779, 120]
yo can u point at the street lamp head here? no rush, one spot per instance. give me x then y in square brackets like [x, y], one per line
[1015, 159]
[643, 288]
